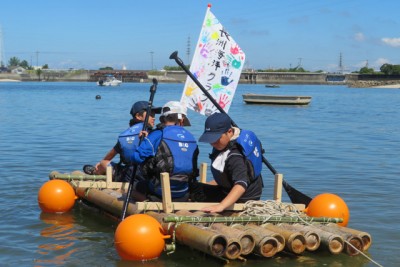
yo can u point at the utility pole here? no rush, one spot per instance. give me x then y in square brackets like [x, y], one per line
[151, 56]
[37, 59]
[340, 63]
[2, 63]
[188, 50]
[299, 62]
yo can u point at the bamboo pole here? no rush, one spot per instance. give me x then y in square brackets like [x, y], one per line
[103, 200]
[246, 239]
[248, 219]
[265, 245]
[294, 240]
[71, 176]
[366, 237]
[355, 241]
[332, 242]
[313, 240]
[204, 240]
[198, 237]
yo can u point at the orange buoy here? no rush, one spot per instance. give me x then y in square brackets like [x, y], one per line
[329, 205]
[56, 196]
[139, 237]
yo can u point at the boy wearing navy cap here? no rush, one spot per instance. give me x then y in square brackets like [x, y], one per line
[237, 175]
[127, 143]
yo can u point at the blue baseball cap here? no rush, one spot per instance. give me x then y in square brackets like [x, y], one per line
[142, 105]
[215, 126]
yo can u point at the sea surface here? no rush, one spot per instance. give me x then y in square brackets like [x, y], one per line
[346, 142]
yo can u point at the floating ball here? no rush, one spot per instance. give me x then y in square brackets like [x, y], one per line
[329, 205]
[139, 237]
[56, 196]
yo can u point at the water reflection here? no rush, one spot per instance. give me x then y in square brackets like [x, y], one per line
[61, 237]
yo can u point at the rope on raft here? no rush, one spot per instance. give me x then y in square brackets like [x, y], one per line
[272, 208]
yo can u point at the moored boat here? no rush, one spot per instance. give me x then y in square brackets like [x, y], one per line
[272, 86]
[110, 80]
[250, 98]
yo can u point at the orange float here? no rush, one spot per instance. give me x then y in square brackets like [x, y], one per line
[329, 205]
[139, 237]
[56, 196]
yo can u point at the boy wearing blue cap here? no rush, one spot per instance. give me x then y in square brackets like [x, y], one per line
[236, 163]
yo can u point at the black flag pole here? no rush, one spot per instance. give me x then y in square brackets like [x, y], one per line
[153, 90]
[294, 195]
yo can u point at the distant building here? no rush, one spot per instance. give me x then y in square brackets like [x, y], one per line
[18, 70]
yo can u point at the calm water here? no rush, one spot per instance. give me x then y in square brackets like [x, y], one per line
[347, 142]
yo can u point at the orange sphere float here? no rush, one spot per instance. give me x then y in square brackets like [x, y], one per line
[56, 196]
[329, 205]
[139, 237]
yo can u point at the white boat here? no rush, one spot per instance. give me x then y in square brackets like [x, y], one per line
[276, 99]
[109, 81]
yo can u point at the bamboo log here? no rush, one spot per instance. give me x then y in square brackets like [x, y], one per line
[199, 237]
[265, 232]
[366, 237]
[313, 240]
[246, 239]
[248, 219]
[295, 241]
[233, 248]
[205, 240]
[105, 201]
[71, 176]
[353, 244]
[265, 245]
[332, 242]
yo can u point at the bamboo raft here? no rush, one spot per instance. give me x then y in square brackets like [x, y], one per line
[234, 234]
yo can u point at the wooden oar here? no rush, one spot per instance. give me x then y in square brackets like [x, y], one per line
[153, 89]
[294, 195]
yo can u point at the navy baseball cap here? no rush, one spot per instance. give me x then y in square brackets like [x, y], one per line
[215, 126]
[142, 105]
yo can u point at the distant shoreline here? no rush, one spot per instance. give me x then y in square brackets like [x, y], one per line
[9, 80]
[392, 86]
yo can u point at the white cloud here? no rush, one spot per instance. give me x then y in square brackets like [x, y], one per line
[380, 61]
[359, 36]
[394, 42]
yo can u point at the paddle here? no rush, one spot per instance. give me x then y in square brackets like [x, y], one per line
[153, 89]
[294, 195]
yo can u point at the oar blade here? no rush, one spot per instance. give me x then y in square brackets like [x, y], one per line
[295, 195]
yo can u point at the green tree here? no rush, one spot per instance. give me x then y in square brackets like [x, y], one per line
[396, 69]
[106, 68]
[38, 73]
[366, 70]
[387, 69]
[14, 62]
[45, 66]
[24, 64]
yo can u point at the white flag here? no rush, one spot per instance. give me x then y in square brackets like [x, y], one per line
[217, 64]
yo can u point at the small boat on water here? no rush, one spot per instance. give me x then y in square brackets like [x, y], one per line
[250, 98]
[272, 85]
[109, 81]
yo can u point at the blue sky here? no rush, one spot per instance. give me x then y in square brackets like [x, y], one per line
[142, 34]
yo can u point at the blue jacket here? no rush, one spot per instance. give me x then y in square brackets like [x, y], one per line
[173, 150]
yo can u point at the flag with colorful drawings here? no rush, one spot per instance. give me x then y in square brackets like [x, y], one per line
[217, 63]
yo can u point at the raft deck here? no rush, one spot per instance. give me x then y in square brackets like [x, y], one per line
[232, 234]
